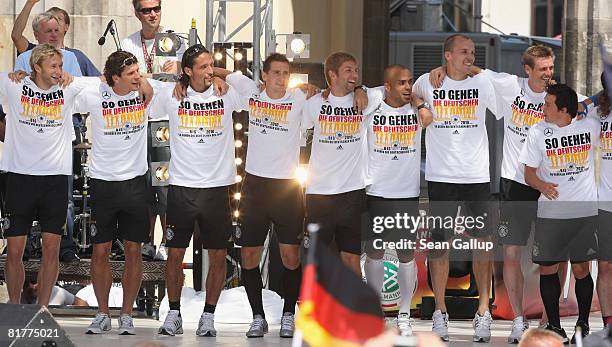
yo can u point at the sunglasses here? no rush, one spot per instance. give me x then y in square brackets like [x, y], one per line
[148, 10]
[128, 61]
[195, 49]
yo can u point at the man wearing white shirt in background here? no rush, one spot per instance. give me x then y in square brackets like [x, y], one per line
[37, 157]
[394, 179]
[457, 170]
[559, 158]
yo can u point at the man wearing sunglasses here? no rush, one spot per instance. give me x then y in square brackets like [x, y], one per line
[141, 43]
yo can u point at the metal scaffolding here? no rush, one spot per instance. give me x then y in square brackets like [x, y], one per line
[260, 19]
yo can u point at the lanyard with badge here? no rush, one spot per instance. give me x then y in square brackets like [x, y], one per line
[148, 57]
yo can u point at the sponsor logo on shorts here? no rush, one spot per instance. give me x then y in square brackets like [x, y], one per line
[93, 230]
[238, 232]
[502, 229]
[169, 233]
[535, 250]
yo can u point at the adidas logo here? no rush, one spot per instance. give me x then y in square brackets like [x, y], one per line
[201, 141]
[339, 148]
[571, 179]
[127, 137]
[591, 251]
[40, 131]
[456, 132]
[395, 157]
[523, 141]
[264, 131]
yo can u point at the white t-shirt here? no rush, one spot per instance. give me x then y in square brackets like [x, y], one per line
[202, 153]
[394, 152]
[605, 168]
[339, 148]
[60, 297]
[456, 141]
[521, 108]
[133, 44]
[565, 156]
[39, 128]
[115, 296]
[274, 129]
[119, 133]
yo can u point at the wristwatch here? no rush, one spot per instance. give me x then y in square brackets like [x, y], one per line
[424, 105]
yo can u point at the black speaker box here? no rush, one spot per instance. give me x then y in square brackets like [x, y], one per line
[29, 326]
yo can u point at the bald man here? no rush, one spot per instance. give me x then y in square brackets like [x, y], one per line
[393, 175]
[537, 337]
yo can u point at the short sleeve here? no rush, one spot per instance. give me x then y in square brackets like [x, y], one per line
[376, 96]
[308, 113]
[419, 88]
[530, 154]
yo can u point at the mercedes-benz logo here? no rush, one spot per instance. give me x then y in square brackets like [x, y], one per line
[548, 132]
[106, 95]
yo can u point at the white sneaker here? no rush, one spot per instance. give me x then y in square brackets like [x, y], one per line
[162, 253]
[287, 325]
[519, 325]
[126, 325]
[173, 325]
[148, 251]
[206, 326]
[404, 324]
[440, 324]
[101, 324]
[482, 327]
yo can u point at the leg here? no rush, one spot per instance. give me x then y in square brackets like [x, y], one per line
[292, 275]
[374, 269]
[174, 273]
[550, 289]
[438, 267]
[216, 275]
[604, 289]
[251, 277]
[101, 276]
[513, 278]
[407, 278]
[352, 261]
[584, 290]
[482, 268]
[132, 275]
[14, 271]
[47, 275]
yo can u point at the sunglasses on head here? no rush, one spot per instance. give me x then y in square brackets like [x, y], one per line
[195, 49]
[128, 61]
[148, 10]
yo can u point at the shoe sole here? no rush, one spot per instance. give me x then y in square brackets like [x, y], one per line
[167, 333]
[207, 334]
[481, 339]
[126, 332]
[513, 341]
[444, 338]
[96, 332]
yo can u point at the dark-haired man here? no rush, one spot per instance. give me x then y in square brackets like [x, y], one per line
[559, 158]
[202, 167]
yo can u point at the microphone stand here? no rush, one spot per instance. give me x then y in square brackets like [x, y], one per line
[113, 31]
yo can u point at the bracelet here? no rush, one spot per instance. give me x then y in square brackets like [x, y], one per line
[584, 106]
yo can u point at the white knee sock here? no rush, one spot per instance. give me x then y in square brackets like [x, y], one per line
[375, 273]
[407, 278]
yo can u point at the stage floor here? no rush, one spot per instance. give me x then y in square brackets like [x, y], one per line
[233, 334]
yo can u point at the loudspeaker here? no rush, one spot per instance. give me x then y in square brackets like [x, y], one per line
[30, 325]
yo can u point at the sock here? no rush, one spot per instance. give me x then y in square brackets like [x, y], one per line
[210, 308]
[375, 273]
[607, 320]
[175, 305]
[253, 286]
[550, 289]
[584, 296]
[407, 278]
[291, 288]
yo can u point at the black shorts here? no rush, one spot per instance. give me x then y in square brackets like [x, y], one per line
[210, 207]
[381, 210]
[120, 210]
[340, 217]
[604, 235]
[560, 240]
[444, 200]
[518, 209]
[264, 200]
[42, 198]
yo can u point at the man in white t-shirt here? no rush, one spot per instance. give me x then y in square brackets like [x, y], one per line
[335, 190]
[37, 157]
[118, 186]
[457, 171]
[559, 158]
[141, 43]
[519, 101]
[270, 193]
[202, 168]
[394, 177]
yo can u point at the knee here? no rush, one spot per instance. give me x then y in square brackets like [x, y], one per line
[291, 261]
[250, 257]
[217, 256]
[604, 268]
[512, 253]
[549, 270]
[580, 270]
[133, 250]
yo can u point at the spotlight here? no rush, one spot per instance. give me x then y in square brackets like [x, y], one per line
[298, 45]
[237, 196]
[160, 174]
[238, 126]
[238, 161]
[167, 44]
[295, 79]
[301, 174]
[238, 178]
[220, 54]
[238, 56]
[236, 213]
[238, 143]
[162, 134]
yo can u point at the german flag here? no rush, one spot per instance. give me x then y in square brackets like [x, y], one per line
[337, 308]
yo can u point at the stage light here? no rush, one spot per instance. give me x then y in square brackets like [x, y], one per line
[298, 45]
[301, 174]
[167, 44]
[238, 56]
[240, 59]
[162, 174]
[238, 126]
[162, 134]
[236, 213]
[295, 79]
[238, 143]
[238, 178]
[237, 196]
[220, 54]
[238, 161]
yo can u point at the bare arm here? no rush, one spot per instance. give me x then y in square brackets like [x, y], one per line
[549, 190]
[21, 43]
[2, 129]
[221, 73]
